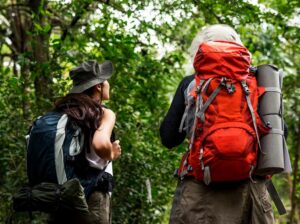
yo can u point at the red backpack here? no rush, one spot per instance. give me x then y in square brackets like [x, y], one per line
[224, 136]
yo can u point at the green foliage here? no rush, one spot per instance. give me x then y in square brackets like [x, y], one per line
[147, 42]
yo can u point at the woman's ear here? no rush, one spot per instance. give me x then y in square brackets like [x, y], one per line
[98, 87]
[97, 92]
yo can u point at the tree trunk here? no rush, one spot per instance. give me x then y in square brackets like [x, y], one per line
[294, 210]
[42, 72]
[40, 51]
[20, 21]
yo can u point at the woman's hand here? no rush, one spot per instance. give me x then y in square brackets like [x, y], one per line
[116, 150]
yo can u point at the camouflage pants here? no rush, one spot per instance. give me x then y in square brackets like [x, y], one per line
[99, 207]
[227, 203]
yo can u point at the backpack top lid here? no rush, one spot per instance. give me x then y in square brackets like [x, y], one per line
[222, 58]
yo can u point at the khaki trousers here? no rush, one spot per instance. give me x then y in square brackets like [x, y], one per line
[224, 203]
[99, 212]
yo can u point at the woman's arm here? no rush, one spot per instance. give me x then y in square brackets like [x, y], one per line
[101, 139]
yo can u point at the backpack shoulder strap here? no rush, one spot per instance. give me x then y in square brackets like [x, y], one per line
[27, 136]
[199, 104]
[58, 150]
[186, 95]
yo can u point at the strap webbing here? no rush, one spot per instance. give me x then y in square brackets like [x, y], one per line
[209, 100]
[286, 156]
[276, 131]
[197, 108]
[247, 94]
[58, 150]
[275, 197]
[273, 89]
[206, 175]
[206, 85]
[183, 118]
[201, 98]
[186, 95]
[200, 108]
[29, 202]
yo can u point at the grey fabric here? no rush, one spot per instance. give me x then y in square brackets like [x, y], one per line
[276, 156]
[209, 101]
[198, 104]
[90, 73]
[207, 176]
[99, 206]
[204, 89]
[59, 155]
[244, 85]
[276, 131]
[275, 197]
[76, 144]
[287, 160]
[273, 89]
[213, 33]
[51, 197]
[227, 203]
[188, 102]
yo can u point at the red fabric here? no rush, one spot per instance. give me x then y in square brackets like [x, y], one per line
[227, 136]
[220, 58]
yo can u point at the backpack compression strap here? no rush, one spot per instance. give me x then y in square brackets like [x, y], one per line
[275, 197]
[212, 96]
[247, 94]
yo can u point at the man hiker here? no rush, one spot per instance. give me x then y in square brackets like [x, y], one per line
[228, 196]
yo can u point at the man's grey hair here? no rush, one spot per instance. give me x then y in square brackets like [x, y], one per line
[213, 33]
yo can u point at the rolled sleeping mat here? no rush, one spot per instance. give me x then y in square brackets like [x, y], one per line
[268, 76]
[271, 157]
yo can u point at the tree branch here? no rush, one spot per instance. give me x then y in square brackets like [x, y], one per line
[211, 10]
[114, 5]
[7, 55]
[5, 7]
[74, 21]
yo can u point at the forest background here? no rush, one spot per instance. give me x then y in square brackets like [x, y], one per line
[147, 41]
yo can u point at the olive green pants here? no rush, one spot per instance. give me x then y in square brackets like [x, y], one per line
[99, 212]
[224, 203]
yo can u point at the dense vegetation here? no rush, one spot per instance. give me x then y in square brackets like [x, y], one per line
[147, 41]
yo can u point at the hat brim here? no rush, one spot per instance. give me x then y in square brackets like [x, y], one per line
[106, 69]
[81, 88]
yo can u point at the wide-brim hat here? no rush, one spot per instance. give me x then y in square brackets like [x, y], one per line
[89, 74]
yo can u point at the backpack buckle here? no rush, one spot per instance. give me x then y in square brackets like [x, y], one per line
[245, 88]
[198, 89]
[223, 82]
[230, 88]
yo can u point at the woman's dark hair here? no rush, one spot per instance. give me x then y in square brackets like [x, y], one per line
[82, 109]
